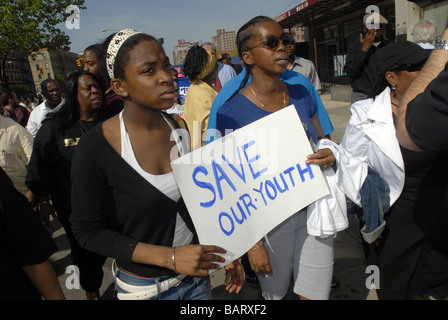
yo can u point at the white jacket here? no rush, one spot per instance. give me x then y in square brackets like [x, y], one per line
[370, 136]
[328, 215]
[38, 115]
[16, 146]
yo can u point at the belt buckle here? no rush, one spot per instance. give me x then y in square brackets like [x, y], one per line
[179, 278]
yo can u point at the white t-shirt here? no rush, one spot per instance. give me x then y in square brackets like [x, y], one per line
[38, 115]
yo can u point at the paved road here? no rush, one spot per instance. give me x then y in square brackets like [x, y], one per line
[349, 266]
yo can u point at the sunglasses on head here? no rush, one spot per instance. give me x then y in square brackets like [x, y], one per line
[409, 67]
[272, 42]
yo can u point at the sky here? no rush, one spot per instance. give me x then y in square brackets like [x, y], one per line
[192, 20]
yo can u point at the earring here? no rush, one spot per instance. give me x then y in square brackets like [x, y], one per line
[394, 90]
[125, 94]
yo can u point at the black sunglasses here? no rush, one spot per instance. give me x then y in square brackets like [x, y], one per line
[409, 67]
[273, 42]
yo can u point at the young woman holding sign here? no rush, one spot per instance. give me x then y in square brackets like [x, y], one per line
[287, 248]
[126, 204]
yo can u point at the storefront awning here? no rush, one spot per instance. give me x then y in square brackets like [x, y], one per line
[313, 12]
[425, 3]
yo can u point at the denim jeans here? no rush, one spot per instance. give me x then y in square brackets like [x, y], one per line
[191, 288]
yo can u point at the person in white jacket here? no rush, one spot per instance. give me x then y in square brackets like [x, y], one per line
[53, 102]
[412, 252]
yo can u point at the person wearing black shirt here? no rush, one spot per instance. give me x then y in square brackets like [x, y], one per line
[25, 247]
[363, 76]
[128, 205]
[48, 174]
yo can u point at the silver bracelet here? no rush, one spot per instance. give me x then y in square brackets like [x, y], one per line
[174, 261]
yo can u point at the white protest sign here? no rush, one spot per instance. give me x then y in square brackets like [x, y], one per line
[240, 187]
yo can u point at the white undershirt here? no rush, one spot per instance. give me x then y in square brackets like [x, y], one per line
[165, 183]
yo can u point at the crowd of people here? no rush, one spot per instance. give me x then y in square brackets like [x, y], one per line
[96, 156]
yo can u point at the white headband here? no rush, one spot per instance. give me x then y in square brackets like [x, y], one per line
[114, 46]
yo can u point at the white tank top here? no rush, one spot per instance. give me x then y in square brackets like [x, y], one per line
[165, 183]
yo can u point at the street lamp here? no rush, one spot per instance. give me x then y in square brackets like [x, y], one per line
[106, 30]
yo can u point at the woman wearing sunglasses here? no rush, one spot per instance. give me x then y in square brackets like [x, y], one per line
[281, 252]
[412, 251]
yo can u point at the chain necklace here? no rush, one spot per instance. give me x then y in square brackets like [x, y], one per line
[262, 105]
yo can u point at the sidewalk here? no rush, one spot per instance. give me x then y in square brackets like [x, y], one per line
[349, 267]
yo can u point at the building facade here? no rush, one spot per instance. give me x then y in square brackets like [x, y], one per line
[51, 64]
[225, 41]
[180, 51]
[334, 24]
[18, 74]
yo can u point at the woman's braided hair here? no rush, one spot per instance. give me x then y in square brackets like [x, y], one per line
[242, 38]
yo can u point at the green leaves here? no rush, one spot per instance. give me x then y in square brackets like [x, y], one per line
[27, 25]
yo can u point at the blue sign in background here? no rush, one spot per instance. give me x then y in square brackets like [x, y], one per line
[183, 84]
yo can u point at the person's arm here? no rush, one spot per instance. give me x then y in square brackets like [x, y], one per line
[32, 125]
[367, 41]
[433, 67]
[45, 280]
[29, 244]
[38, 173]
[193, 260]
[323, 157]
[356, 58]
[26, 142]
[322, 114]
[315, 79]
[354, 141]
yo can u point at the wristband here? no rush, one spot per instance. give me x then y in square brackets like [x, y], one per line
[174, 261]
[441, 44]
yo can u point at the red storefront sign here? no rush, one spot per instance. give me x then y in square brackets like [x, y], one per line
[298, 8]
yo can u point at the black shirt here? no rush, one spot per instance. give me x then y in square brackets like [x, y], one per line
[50, 164]
[362, 76]
[23, 241]
[115, 208]
[427, 116]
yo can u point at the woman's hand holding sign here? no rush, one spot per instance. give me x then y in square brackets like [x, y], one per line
[324, 157]
[196, 260]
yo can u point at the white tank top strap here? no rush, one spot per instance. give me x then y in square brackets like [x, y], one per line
[165, 182]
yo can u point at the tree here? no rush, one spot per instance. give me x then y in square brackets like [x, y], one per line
[27, 25]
